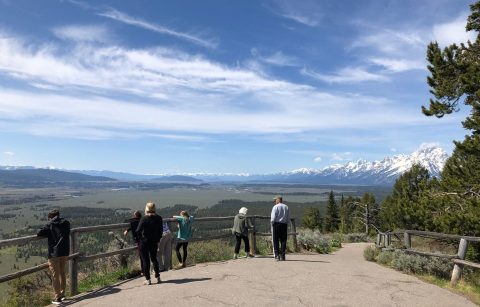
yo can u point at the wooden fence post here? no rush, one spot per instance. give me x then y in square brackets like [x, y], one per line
[388, 239]
[379, 240]
[458, 268]
[253, 247]
[294, 229]
[407, 240]
[73, 265]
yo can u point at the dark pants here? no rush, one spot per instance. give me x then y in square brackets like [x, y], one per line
[279, 234]
[177, 250]
[239, 238]
[148, 252]
[140, 256]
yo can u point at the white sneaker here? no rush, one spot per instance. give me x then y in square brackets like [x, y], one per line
[147, 282]
[235, 256]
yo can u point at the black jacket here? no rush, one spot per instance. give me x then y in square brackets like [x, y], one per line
[133, 227]
[150, 228]
[57, 231]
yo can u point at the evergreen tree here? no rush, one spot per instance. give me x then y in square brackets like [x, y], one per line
[312, 219]
[347, 210]
[455, 79]
[331, 216]
[406, 207]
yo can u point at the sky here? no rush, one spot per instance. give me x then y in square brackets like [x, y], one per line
[254, 86]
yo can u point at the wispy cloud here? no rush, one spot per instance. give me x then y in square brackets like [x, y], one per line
[346, 75]
[138, 22]
[344, 156]
[75, 93]
[398, 65]
[9, 153]
[305, 13]
[453, 32]
[278, 59]
[317, 159]
[83, 33]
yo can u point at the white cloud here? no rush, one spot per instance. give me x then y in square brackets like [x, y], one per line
[345, 156]
[398, 65]
[127, 19]
[280, 59]
[346, 75]
[83, 33]
[318, 159]
[453, 32]
[392, 42]
[393, 149]
[306, 13]
[75, 93]
[9, 153]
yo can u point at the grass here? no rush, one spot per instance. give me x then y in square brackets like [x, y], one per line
[472, 292]
[418, 266]
[102, 279]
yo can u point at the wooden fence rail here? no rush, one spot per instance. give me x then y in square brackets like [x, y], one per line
[77, 256]
[384, 239]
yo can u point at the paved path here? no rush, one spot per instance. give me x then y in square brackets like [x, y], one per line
[340, 279]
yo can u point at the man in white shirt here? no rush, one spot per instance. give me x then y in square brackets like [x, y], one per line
[279, 218]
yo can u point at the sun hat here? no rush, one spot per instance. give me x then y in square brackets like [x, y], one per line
[243, 210]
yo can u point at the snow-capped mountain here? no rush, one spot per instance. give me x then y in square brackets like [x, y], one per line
[383, 172]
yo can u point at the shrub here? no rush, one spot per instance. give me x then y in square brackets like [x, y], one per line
[385, 258]
[370, 253]
[314, 241]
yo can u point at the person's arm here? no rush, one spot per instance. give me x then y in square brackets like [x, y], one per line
[140, 226]
[273, 215]
[44, 231]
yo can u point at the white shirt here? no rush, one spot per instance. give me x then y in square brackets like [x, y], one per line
[280, 214]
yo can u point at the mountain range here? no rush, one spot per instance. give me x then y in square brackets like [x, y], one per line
[383, 172]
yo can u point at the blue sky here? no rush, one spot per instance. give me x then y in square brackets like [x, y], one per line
[219, 86]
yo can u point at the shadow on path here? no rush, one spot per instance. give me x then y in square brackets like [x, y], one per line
[291, 260]
[184, 280]
[97, 293]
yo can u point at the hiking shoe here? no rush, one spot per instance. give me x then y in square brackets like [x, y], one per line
[159, 281]
[147, 282]
[235, 256]
[62, 298]
[57, 301]
[250, 256]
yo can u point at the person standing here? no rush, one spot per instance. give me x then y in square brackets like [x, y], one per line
[149, 232]
[137, 215]
[57, 231]
[183, 235]
[279, 219]
[240, 230]
[165, 249]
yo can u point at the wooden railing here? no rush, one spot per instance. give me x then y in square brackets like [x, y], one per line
[77, 256]
[385, 240]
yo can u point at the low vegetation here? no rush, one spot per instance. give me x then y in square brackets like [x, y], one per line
[431, 269]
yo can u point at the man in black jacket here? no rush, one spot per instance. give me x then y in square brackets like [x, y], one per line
[133, 228]
[57, 231]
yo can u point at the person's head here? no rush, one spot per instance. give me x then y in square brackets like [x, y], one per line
[185, 214]
[243, 210]
[150, 208]
[278, 199]
[53, 214]
[137, 214]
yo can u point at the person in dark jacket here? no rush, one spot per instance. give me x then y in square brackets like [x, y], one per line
[149, 232]
[137, 215]
[57, 231]
[240, 230]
